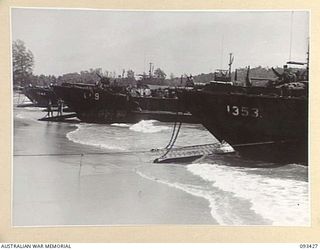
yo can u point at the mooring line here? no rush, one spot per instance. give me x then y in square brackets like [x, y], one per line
[83, 154]
[172, 144]
[172, 135]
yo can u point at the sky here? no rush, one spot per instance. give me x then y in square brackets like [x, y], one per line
[178, 42]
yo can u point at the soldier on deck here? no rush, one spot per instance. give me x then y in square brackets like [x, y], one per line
[286, 74]
[60, 107]
[190, 82]
[49, 109]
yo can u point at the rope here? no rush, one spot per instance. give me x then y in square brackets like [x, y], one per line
[176, 136]
[172, 144]
[172, 141]
[172, 135]
[262, 143]
[83, 154]
[80, 168]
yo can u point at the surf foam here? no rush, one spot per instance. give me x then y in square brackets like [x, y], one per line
[147, 126]
[283, 201]
[121, 125]
[190, 189]
[91, 135]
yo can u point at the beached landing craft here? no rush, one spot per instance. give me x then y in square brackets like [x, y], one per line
[112, 103]
[264, 123]
[40, 96]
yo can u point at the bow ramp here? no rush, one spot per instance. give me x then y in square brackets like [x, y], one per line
[189, 153]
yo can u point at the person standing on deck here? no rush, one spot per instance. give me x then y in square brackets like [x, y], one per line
[60, 107]
[49, 108]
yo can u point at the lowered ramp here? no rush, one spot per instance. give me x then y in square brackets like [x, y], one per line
[189, 153]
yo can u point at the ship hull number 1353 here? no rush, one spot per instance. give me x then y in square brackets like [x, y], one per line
[243, 111]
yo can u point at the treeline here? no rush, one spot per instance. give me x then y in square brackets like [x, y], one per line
[23, 62]
[46, 80]
[238, 74]
[92, 76]
[257, 72]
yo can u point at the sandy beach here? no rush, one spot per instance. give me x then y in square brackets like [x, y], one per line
[88, 190]
[68, 174]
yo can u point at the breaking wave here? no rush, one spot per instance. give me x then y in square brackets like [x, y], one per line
[121, 125]
[148, 126]
[90, 135]
[282, 201]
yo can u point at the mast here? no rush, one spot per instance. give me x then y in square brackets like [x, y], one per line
[231, 58]
[150, 69]
[221, 56]
[308, 55]
[290, 49]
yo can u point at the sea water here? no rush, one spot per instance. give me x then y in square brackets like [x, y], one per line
[237, 191]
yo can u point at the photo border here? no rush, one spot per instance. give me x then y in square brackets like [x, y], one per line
[155, 233]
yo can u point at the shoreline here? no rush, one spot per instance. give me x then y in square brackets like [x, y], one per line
[49, 191]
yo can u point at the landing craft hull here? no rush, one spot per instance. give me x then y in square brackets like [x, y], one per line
[97, 105]
[93, 104]
[40, 96]
[259, 125]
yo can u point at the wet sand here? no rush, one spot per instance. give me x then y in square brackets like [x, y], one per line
[88, 190]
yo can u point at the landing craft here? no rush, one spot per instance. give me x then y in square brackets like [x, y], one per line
[40, 95]
[111, 102]
[264, 123]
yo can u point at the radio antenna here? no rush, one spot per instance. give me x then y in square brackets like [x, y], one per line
[291, 21]
[221, 58]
